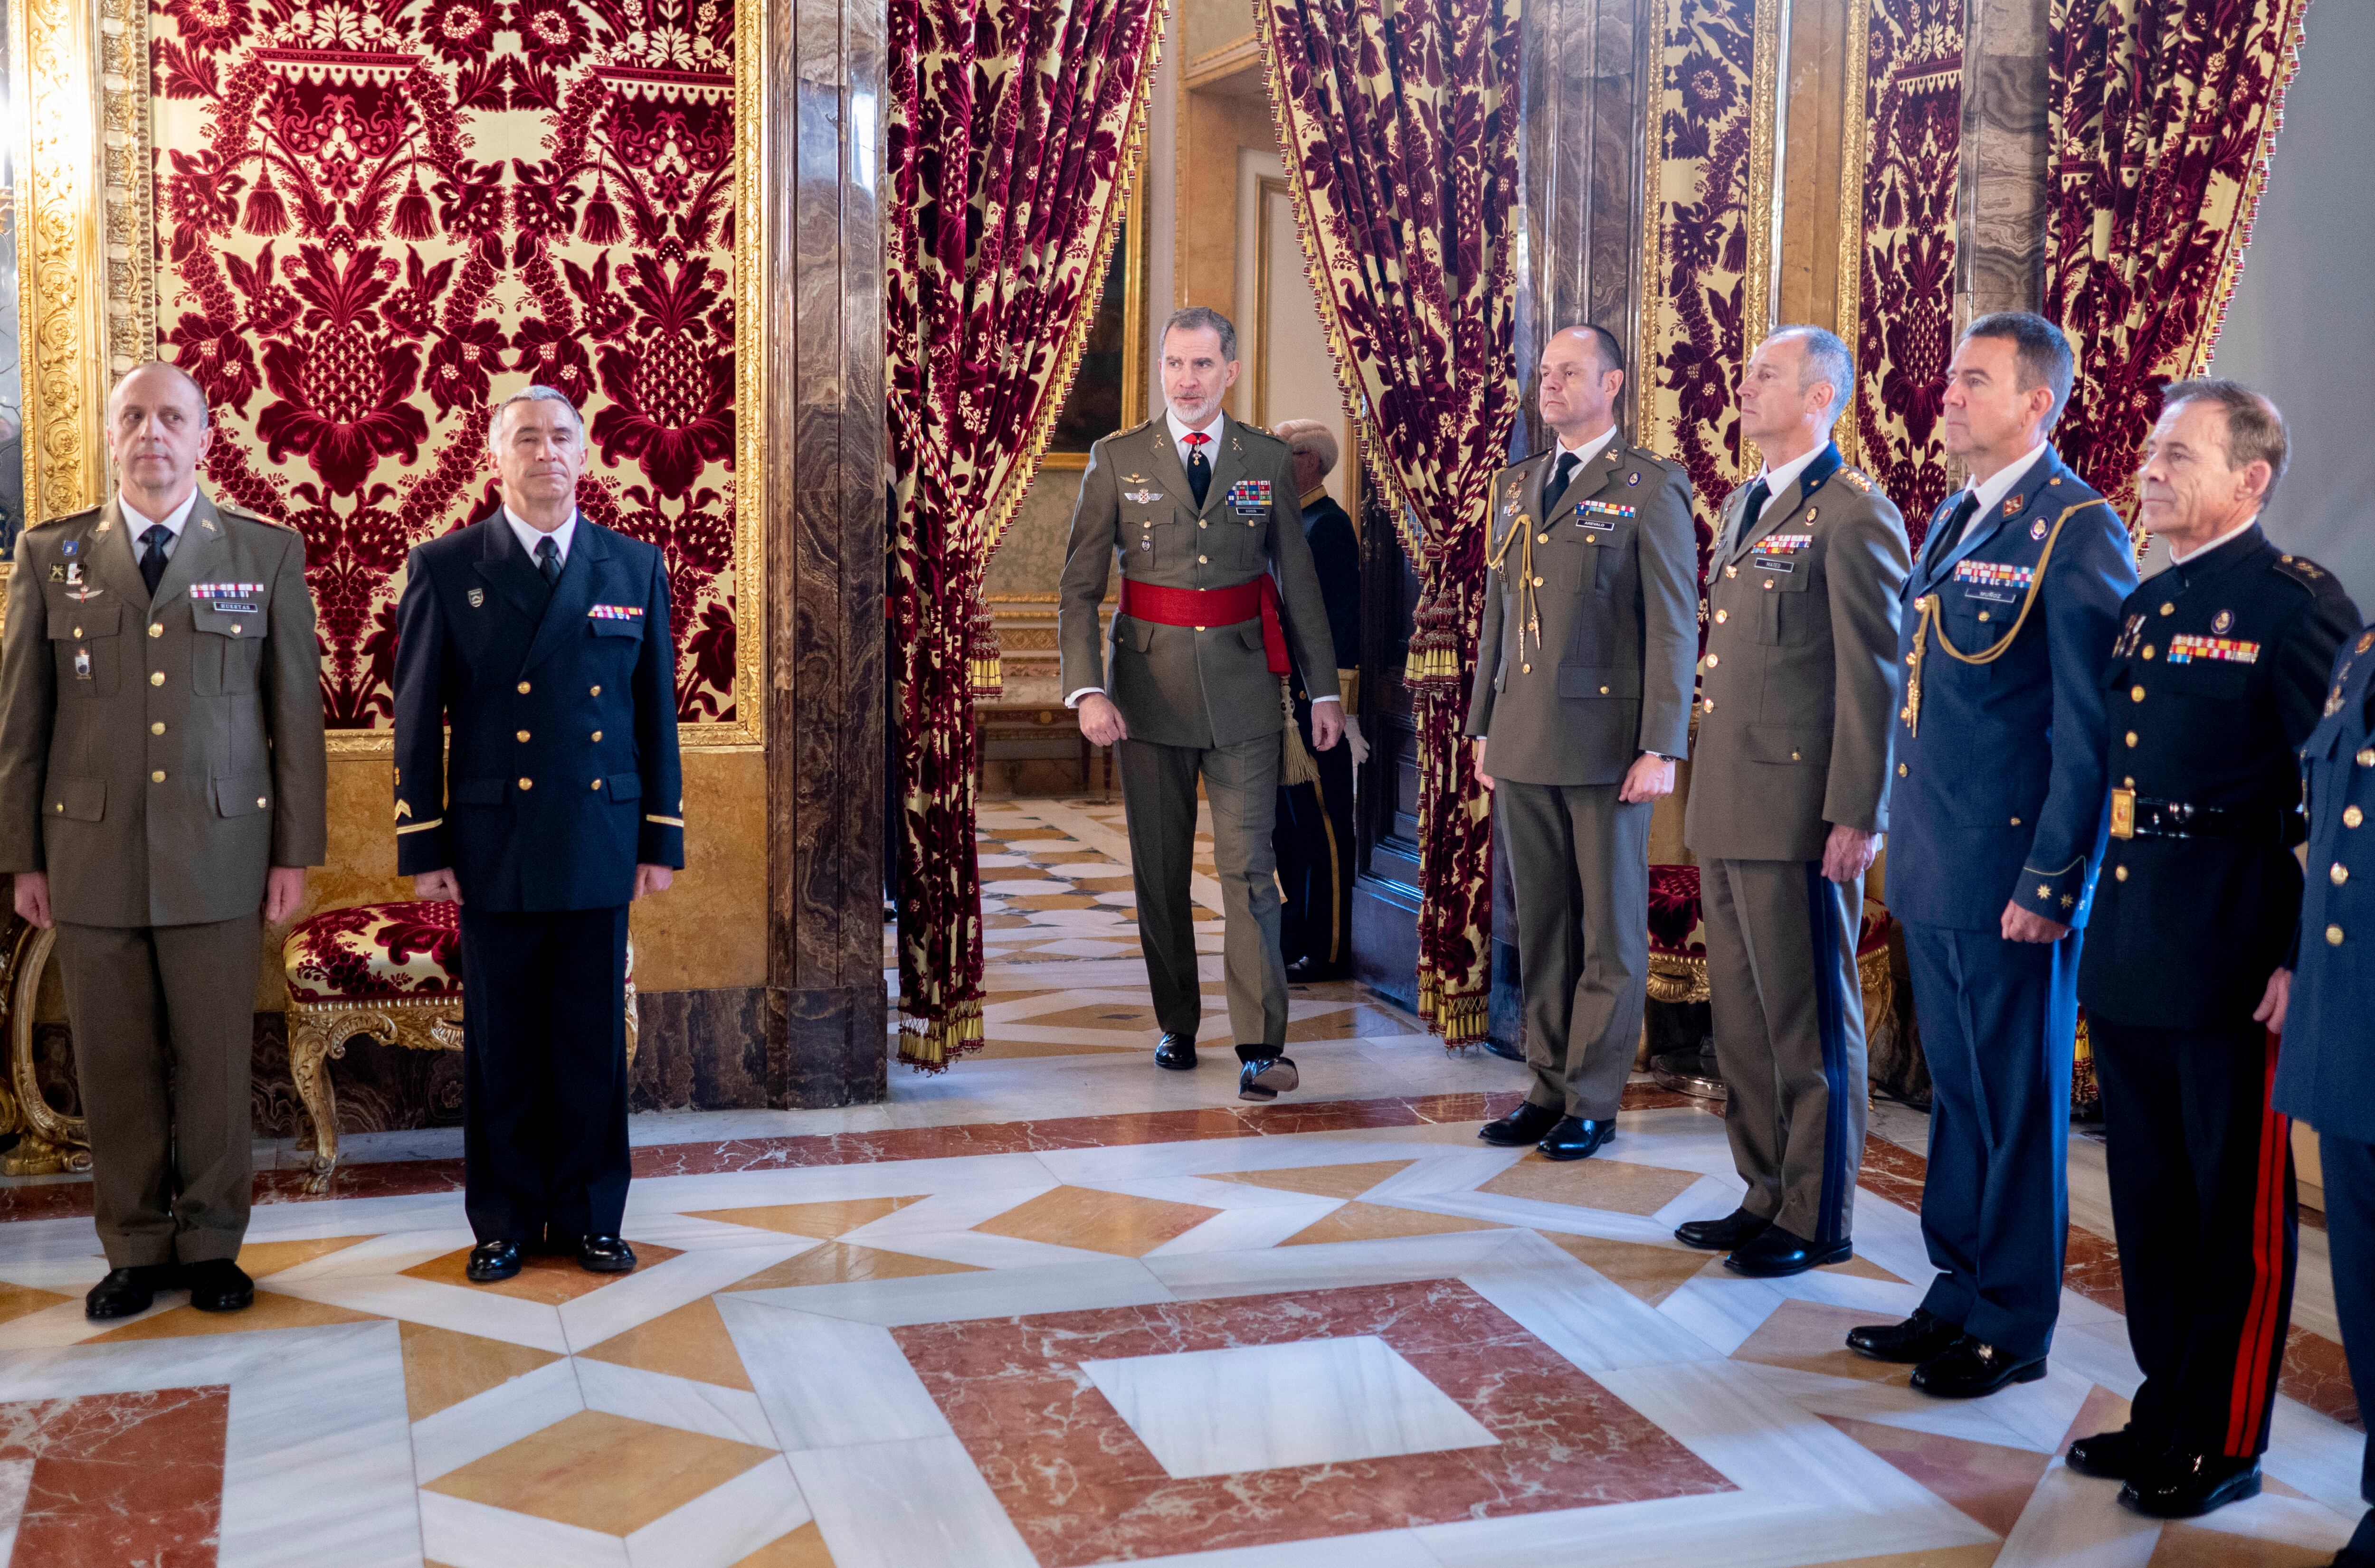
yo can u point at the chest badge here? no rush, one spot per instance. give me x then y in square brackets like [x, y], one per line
[83, 593]
[1250, 495]
[2036, 529]
[2365, 641]
[1633, 478]
[614, 612]
[478, 597]
[1141, 495]
[70, 548]
[82, 663]
[57, 574]
[1600, 516]
[2012, 506]
[2223, 621]
[2185, 649]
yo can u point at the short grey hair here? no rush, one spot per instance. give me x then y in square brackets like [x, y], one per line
[2255, 426]
[535, 395]
[1310, 436]
[1204, 318]
[1827, 360]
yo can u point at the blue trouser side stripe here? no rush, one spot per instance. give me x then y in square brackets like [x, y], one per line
[1830, 1022]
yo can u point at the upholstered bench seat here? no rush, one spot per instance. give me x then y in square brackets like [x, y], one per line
[392, 972]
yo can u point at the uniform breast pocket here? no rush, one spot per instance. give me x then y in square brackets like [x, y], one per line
[88, 643]
[1244, 537]
[1150, 539]
[621, 636]
[1610, 556]
[2214, 680]
[1785, 615]
[229, 647]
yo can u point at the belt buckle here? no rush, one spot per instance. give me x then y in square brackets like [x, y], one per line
[2124, 813]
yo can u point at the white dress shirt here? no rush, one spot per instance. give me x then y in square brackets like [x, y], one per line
[528, 536]
[139, 523]
[1781, 478]
[1996, 486]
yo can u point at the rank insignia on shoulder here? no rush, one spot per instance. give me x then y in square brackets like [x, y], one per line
[1250, 493]
[615, 612]
[2223, 621]
[2036, 529]
[2187, 647]
[1995, 574]
[1861, 481]
[2365, 641]
[225, 590]
[476, 597]
[2306, 572]
[2012, 506]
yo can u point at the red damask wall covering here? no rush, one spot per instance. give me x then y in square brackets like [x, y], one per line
[376, 218]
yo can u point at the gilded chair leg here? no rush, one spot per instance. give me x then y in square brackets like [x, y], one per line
[309, 1064]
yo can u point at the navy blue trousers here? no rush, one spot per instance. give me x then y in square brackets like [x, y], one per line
[1999, 1024]
[544, 1074]
[2349, 1170]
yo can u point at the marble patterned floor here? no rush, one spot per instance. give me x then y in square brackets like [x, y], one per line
[1052, 1309]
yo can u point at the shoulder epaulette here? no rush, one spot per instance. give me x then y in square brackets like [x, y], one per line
[65, 517]
[2307, 573]
[1858, 478]
[1651, 460]
[1256, 430]
[228, 510]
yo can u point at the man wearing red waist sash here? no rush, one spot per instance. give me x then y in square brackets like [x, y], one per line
[1217, 586]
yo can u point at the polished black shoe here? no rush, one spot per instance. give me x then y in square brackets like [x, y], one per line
[1265, 1078]
[1921, 1337]
[1529, 1124]
[127, 1292]
[605, 1255]
[1176, 1051]
[492, 1261]
[1574, 1139]
[2114, 1456]
[1735, 1229]
[219, 1285]
[1312, 971]
[1969, 1370]
[1777, 1254]
[2185, 1486]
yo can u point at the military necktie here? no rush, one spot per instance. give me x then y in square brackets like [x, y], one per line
[1758, 494]
[1200, 473]
[548, 559]
[1562, 476]
[1957, 521]
[152, 560]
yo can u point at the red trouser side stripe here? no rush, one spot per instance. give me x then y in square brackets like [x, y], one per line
[2254, 1356]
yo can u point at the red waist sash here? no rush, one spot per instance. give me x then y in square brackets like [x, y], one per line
[1201, 608]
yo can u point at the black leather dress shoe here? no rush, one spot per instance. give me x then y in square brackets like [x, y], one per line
[1735, 1229]
[1574, 1138]
[127, 1292]
[492, 1261]
[1311, 972]
[1777, 1254]
[1969, 1370]
[1261, 1078]
[2184, 1486]
[1529, 1124]
[2114, 1456]
[219, 1285]
[1176, 1051]
[605, 1255]
[1923, 1336]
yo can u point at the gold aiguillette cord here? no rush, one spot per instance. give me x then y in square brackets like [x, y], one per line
[1531, 618]
[1931, 622]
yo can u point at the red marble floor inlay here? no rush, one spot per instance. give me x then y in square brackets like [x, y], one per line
[120, 1478]
[1082, 1488]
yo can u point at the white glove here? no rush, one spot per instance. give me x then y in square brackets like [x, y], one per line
[1352, 739]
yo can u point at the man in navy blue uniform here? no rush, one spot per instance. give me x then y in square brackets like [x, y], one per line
[1314, 832]
[543, 640]
[2216, 680]
[1998, 811]
[2326, 1074]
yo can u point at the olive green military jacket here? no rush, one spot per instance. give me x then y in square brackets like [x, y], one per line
[1183, 685]
[1614, 585]
[157, 757]
[1799, 687]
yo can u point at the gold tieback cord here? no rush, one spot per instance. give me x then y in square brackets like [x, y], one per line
[1930, 622]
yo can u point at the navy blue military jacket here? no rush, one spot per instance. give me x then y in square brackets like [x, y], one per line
[2217, 676]
[564, 772]
[2325, 1071]
[1999, 794]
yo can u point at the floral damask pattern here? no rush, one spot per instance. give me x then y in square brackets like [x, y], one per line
[377, 218]
[2161, 114]
[1397, 123]
[1010, 122]
[1913, 128]
[377, 952]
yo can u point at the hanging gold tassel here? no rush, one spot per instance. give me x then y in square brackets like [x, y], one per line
[1295, 765]
[985, 665]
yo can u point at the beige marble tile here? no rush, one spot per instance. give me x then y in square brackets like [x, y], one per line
[1371, 1222]
[691, 1342]
[543, 1277]
[21, 1301]
[822, 1221]
[1812, 1337]
[1597, 1183]
[441, 1367]
[1100, 1221]
[1320, 1181]
[270, 1311]
[803, 1548]
[1651, 1273]
[601, 1472]
[260, 1258]
[839, 1263]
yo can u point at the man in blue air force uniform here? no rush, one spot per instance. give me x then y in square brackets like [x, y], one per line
[2000, 794]
[543, 640]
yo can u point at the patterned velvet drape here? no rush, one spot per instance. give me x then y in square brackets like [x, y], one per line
[1398, 126]
[1008, 125]
[2161, 115]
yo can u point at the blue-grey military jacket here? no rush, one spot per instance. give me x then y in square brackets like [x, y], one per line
[2325, 1069]
[2000, 791]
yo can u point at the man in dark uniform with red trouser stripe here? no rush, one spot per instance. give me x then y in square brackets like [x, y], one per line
[2216, 679]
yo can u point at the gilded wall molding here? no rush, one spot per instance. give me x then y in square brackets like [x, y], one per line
[62, 283]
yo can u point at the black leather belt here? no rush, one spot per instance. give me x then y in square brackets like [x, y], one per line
[2137, 815]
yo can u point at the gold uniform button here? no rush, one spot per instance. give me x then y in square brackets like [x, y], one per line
[1538, 582]
[2132, 737]
[1983, 615]
[2339, 875]
[1708, 704]
[2149, 653]
[261, 801]
[1900, 770]
[523, 688]
[1541, 538]
[1201, 523]
[2366, 759]
[1714, 659]
[158, 728]
[1603, 691]
[2015, 822]
[156, 628]
[1794, 756]
[2120, 873]
[597, 736]
[2135, 693]
[597, 784]
[2334, 935]
[1207, 561]
[2352, 816]
[1731, 571]
[157, 678]
[527, 783]
[523, 736]
[157, 777]
[1525, 669]
[1768, 582]
[1723, 616]
[2168, 609]
[77, 632]
[234, 629]
[598, 691]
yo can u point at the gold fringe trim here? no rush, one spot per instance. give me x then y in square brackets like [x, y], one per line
[931, 1044]
[988, 676]
[1463, 1020]
[1431, 662]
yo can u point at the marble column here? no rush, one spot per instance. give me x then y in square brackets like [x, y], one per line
[822, 287]
[2000, 254]
[1579, 165]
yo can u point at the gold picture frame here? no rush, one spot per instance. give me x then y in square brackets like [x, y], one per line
[88, 289]
[1133, 314]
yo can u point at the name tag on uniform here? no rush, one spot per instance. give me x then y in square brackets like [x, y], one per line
[1600, 516]
[2184, 650]
[1772, 552]
[1250, 495]
[235, 606]
[615, 612]
[227, 591]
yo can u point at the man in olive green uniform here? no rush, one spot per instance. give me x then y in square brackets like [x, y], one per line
[1788, 796]
[1217, 583]
[1581, 704]
[161, 786]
